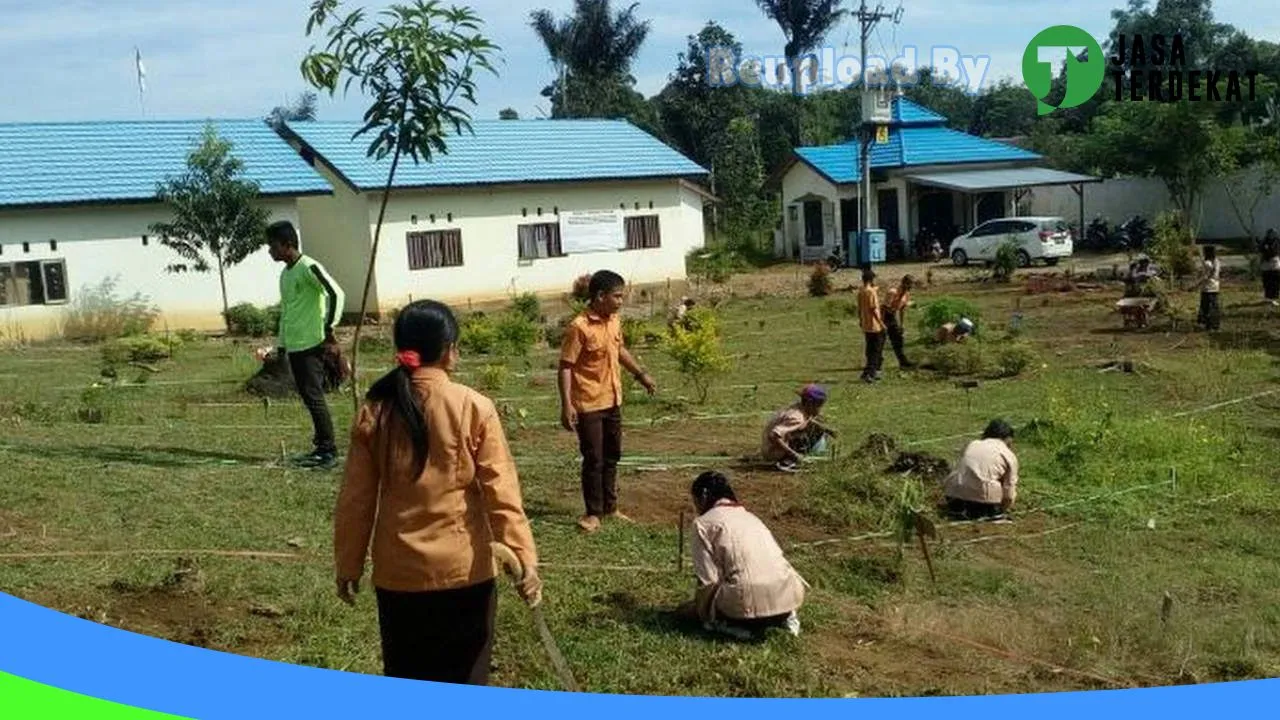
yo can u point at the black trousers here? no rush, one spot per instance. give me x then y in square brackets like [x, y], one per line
[1210, 311]
[443, 636]
[896, 338]
[308, 367]
[958, 509]
[875, 354]
[1271, 284]
[600, 440]
[755, 625]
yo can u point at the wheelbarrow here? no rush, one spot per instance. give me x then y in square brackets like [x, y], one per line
[1136, 311]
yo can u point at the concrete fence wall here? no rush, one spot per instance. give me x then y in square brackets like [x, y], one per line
[1118, 199]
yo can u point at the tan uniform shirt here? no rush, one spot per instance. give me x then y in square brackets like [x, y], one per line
[987, 473]
[432, 531]
[869, 310]
[593, 346]
[735, 554]
[778, 428]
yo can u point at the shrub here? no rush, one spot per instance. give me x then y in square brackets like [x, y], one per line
[187, 336]
[249, 320]
[516, 334]
[527, 306]
[716, 265]
[635, 332]
[139, 349]
[478, 334]
[581, 291]
[1173, 247]
[97, 314]
[494, 377]
[1005, 263]
[945, 310]
[820, 280]
[696, 350]
[957, 359]
[1013, 359]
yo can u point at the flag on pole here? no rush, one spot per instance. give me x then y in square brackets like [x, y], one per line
[142, 71]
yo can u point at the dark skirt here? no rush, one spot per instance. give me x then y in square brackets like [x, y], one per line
[441, 636]
[1210, 311]
[968, 510]
[1271, 284]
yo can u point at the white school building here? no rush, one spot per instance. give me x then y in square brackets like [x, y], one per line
[517, 206]
[76, 204]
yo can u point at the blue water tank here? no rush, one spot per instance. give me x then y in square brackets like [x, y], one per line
[866, 247]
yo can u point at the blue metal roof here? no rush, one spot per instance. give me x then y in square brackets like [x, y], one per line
[102, 162]
[907, 112]
[506, 151]
[911, 147]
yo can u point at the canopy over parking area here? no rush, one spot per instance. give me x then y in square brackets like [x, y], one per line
[1018, 180]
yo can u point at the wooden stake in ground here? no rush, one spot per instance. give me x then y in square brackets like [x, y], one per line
[924, 527]
[680, 547]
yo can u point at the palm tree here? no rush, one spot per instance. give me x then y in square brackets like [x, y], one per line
[804, 23]
[594, 45]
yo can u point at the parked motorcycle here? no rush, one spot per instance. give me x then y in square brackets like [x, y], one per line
[1135, 234]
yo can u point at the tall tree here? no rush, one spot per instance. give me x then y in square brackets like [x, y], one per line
[804, 24]
[1249, 162]
[947, 100]
[739, 182]
[508, 114]
[1005, 110]
[693, 110]
[302, 109]
[592, 51]
[1169, 141]
[217, 221]
[418, 64]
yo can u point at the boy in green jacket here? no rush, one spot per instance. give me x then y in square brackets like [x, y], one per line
[311, 304]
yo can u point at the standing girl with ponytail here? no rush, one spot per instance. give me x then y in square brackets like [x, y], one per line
[430, 480]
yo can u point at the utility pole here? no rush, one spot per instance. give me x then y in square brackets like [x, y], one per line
[867, 21]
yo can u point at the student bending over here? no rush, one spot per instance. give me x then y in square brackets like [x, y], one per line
[984, 483]
[795, 432]
[745, 584]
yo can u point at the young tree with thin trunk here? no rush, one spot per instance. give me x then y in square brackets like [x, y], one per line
[217, 221]
[417, 64]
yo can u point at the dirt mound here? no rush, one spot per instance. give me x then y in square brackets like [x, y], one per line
[275, 378]
[921, 464]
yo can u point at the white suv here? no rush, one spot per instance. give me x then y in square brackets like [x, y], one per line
[1037, 238]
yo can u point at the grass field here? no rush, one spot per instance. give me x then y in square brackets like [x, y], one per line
[1135, 485]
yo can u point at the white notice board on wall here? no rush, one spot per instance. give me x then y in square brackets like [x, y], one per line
[585, 231]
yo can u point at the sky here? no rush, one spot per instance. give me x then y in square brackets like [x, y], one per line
[73, 60]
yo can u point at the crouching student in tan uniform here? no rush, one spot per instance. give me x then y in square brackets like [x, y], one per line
[984, 483]
[794, 432]
[745, 584]
[430, 479]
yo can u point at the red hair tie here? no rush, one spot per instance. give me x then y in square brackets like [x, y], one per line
[409, 359]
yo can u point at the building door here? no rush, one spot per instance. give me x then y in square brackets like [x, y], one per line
[849, 210]
[813, 224]
[990, 206]
[889, 222]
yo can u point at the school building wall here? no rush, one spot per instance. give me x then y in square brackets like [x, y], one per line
[339, 235]
[488, 218]
[104, 242]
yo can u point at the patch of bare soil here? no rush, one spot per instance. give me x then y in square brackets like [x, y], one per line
[18, 532]
[179, 610]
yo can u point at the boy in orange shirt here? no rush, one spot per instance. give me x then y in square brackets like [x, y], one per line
[895, 310]
[873, 328]
[590, 382]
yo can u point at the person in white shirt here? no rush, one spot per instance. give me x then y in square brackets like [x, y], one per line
[1210, 270]
[984, 483]
[745, 584]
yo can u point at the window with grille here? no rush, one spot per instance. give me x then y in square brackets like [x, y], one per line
[642, 232]
[41, 282]
[434, 249]
[539, 240]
